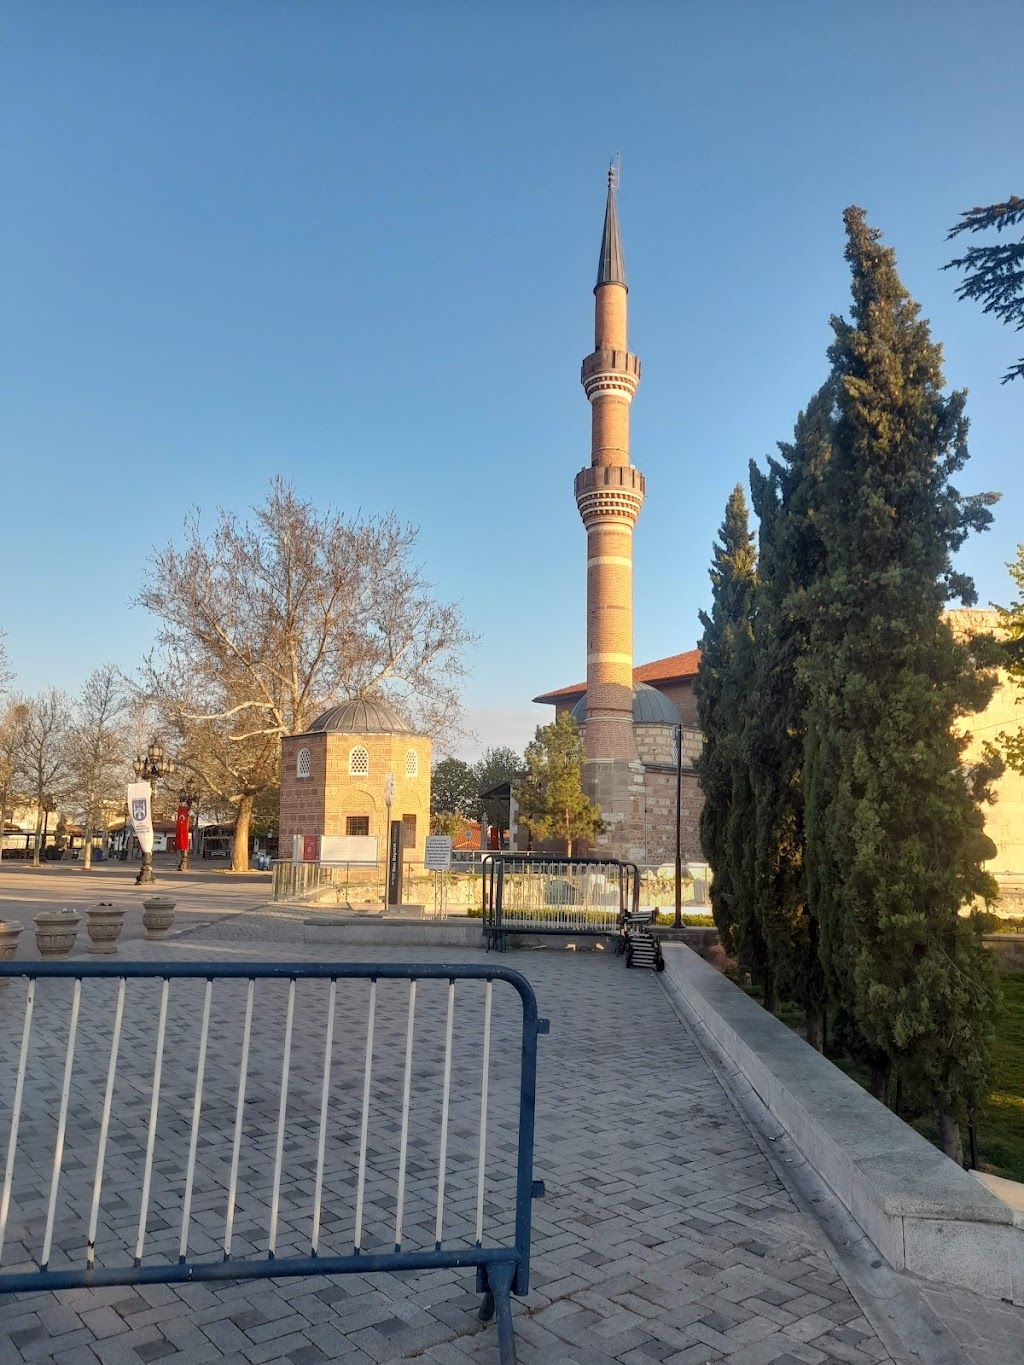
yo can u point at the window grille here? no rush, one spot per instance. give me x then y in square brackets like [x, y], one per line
[408, 831]
[359, 762]
[412, 763]
[357, 824]
[302, 766]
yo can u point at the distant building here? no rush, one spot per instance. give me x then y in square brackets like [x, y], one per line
[333, 779]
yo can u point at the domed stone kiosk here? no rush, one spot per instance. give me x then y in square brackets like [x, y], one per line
[333, 778]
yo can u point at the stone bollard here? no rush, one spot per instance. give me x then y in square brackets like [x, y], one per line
[10, 932]
[56, 931]
[103, 924]
[158, 916]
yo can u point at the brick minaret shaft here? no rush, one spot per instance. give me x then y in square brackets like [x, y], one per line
[609, 494]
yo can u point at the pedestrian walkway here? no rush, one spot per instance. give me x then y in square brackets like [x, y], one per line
[666, 1235]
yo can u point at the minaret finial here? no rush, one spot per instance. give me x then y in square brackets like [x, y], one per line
[611, 268]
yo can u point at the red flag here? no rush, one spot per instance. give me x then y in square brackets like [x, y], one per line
[181, 833]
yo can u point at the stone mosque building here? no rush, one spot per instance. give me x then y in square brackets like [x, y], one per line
[629, 717]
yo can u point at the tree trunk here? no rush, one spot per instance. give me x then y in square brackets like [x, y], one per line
[949, 1137]
[879, 1080]
[240, 841]
[87, 842]
[815, 1027]
[3, 827]
[38, 839]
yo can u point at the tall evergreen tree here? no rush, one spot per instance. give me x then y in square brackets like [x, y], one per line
[790, 561]
[722, 684]
[895, 836]
[552, 802]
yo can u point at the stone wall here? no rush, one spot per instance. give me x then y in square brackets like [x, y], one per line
[302, 799]
[1004, 817]
[660, 785]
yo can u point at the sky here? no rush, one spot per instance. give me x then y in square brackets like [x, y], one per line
[355, 245]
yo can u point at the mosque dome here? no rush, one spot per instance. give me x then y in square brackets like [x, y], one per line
[650, 707]
[361, 716]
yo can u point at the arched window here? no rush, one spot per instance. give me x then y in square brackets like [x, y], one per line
[302, 768]
[358, 762]
[412, 763]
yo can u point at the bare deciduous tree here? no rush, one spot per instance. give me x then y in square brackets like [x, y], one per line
[99, 752]
[12, 721]
[267, 621]
[42, 753]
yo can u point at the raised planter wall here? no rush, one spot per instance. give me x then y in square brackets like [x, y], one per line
[923, 1213]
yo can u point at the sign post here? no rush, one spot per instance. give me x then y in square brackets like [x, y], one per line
[389, 796]
[437, 858]
[394, 899]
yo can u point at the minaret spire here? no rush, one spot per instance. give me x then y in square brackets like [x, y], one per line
[609, 493]
[611, 268]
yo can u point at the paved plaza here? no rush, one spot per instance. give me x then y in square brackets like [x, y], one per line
[673, 1228]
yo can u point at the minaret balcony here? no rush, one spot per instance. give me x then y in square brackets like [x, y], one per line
[609, 491]
[610, 373]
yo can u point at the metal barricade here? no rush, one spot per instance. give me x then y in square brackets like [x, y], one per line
[539, 894]
[434, 1215]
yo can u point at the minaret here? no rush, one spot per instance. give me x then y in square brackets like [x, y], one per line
[609, 494]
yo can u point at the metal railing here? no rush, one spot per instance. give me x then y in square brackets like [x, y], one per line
[538, 894]
[435, 1095]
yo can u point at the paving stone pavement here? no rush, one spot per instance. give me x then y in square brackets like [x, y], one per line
[666, 1233]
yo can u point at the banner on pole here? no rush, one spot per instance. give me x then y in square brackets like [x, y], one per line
[181, 829]
[140, 813]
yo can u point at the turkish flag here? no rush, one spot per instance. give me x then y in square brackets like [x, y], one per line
[181, 833]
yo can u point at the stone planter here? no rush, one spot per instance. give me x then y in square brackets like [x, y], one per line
[56, 931]
[158, 916]
[103, 924]
[10, 932]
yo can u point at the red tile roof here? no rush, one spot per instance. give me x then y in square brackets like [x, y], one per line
[672, 669]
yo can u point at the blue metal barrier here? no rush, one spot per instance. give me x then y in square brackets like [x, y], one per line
[541, 894]
[502, 1269]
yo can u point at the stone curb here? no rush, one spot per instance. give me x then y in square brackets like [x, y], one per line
[922, 1212]
[396, 933]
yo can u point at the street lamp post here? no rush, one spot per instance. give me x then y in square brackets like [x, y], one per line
[679, 851]
[150, 768]
[188, 798]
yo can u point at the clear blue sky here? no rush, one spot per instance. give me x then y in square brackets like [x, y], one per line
[355, 244]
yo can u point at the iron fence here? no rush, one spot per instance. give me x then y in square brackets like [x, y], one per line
[471, 1207]
[538, 894]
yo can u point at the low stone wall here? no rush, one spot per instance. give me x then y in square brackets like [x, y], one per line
[1009, 950]
[923, 1213]
[393, 931]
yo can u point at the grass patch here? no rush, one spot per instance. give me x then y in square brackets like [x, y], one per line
[1001, 1122]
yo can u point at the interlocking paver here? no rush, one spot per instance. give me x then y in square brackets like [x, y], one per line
[666, 1234]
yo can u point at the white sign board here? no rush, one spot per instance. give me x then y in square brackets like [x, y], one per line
[141, 815]
[348, 848]
[437, 853]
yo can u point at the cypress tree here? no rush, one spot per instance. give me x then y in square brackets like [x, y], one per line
[721, 685]
[895, 836]
[790, 561]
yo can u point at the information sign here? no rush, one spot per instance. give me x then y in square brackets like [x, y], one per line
[437, 854]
